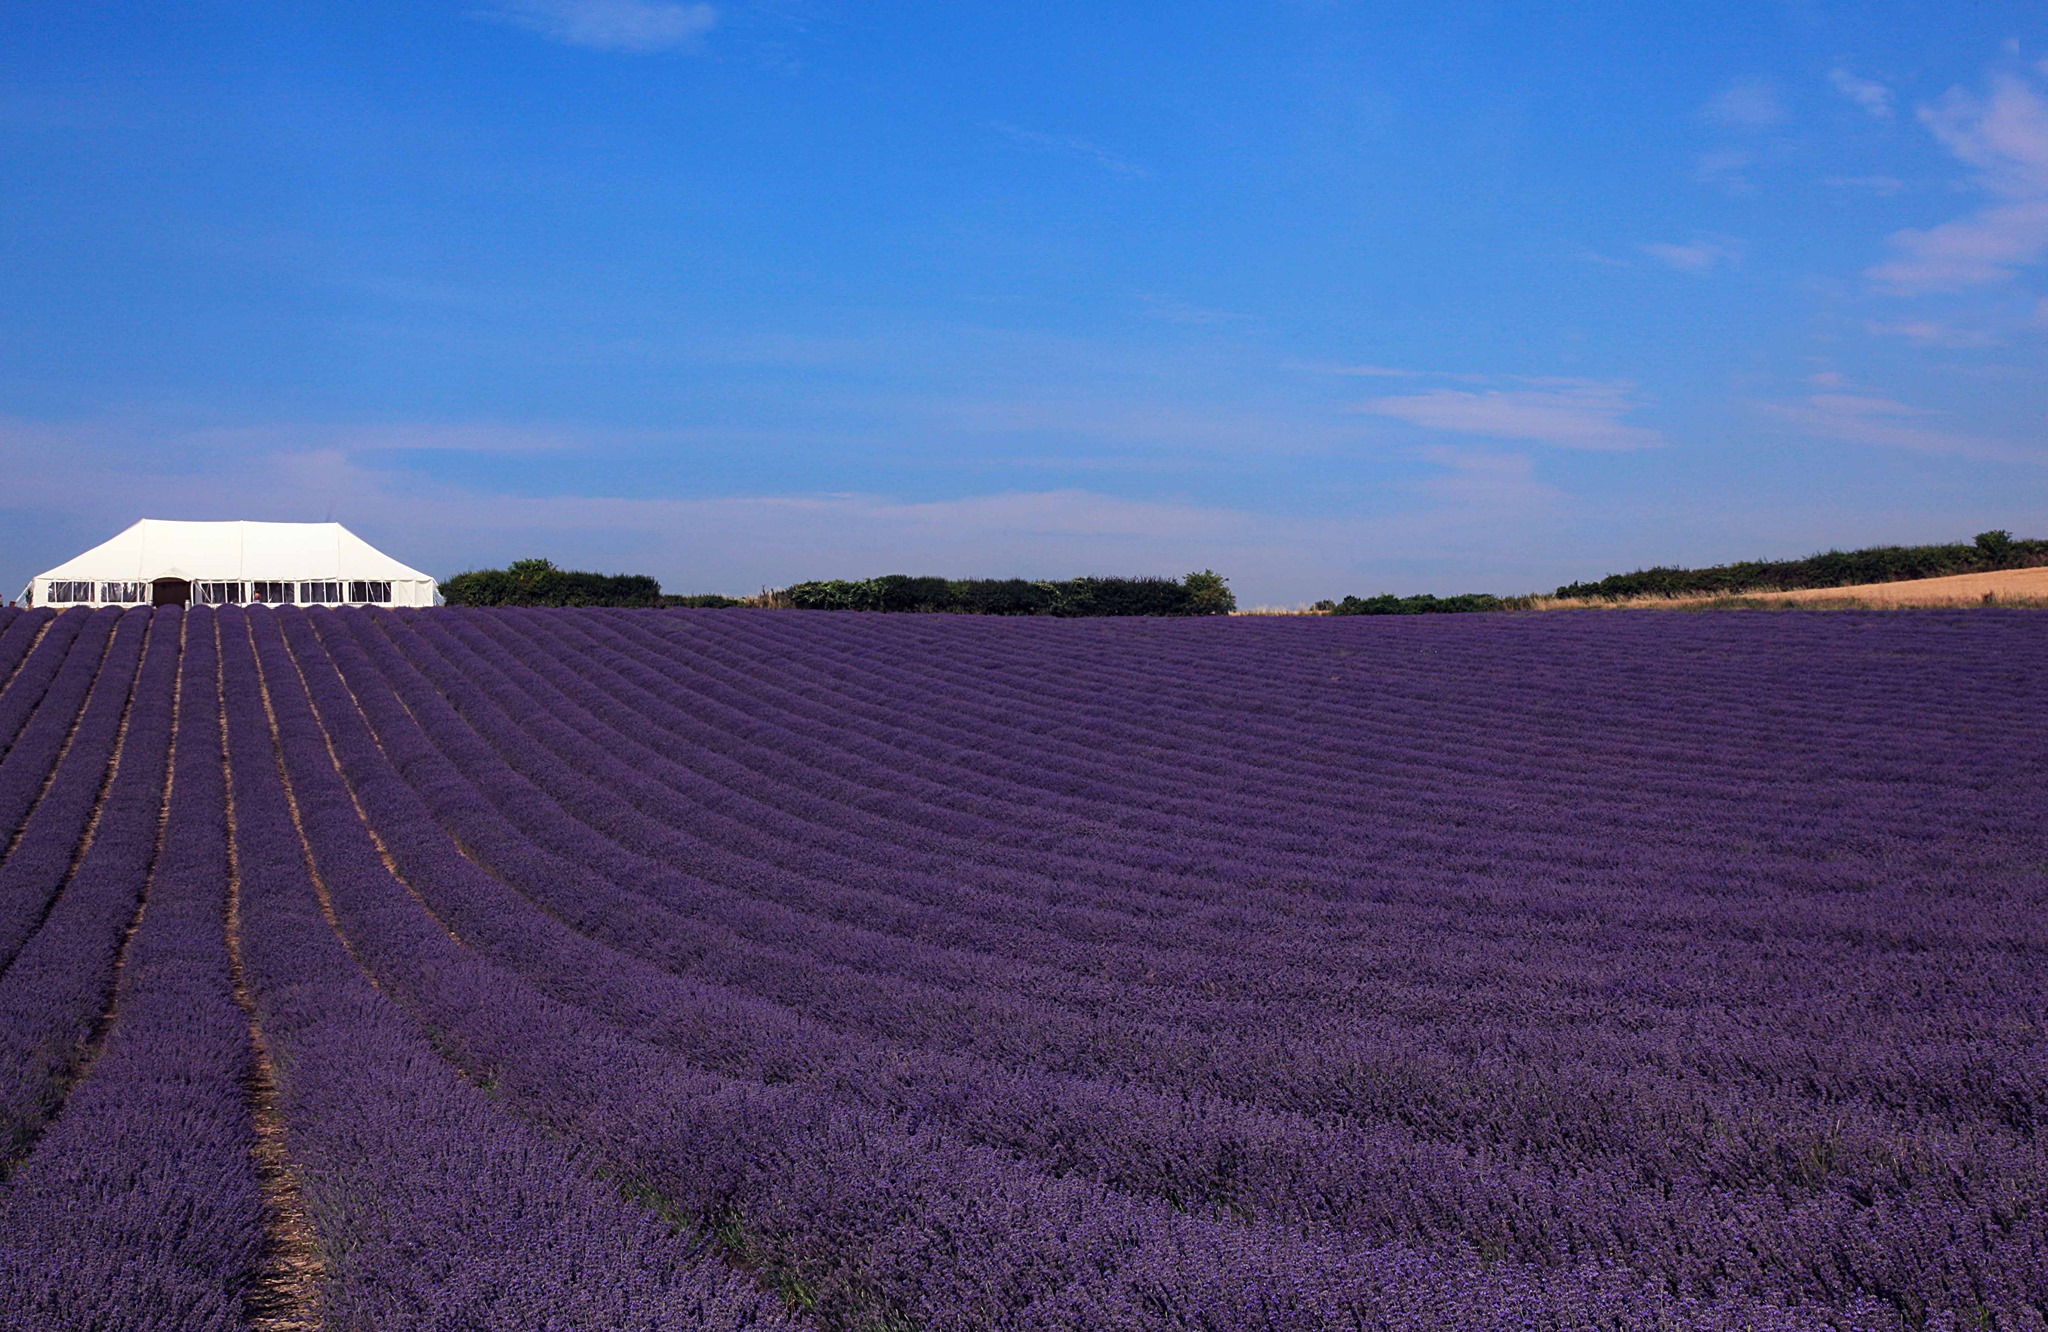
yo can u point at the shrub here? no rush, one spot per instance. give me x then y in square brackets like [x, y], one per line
[1425, 604]
[831, 594]
[1004, 596]
[1995, 544]
[540, 583]
[1833, 568]
[1209, 593]
[1204, 593]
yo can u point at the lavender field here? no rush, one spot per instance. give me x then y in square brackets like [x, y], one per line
[651, 970]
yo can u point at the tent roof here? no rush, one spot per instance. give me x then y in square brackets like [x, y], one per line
[162, 548]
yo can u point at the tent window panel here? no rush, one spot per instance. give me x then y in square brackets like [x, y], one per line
[374, 593]
[121, 592]
[216, 594]
[319, 594]
[272, 592]
[63, 590]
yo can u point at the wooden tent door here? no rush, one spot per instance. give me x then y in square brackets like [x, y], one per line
[170, 592]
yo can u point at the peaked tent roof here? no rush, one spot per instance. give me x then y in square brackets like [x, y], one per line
[164, 548]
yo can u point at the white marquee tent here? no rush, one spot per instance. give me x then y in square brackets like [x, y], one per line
[157, 562]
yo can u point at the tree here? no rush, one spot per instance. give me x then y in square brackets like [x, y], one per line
[540, 583]
[1209, 592]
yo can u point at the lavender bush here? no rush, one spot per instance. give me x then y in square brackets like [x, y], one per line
[615, 969]
[18, 631]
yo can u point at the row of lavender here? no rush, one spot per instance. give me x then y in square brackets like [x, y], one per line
[1207, 975]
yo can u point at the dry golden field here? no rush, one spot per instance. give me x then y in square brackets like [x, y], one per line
[2008, 587]
[2017, 585]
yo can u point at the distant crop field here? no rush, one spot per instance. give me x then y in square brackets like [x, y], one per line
[2008, 587]
[515, 969]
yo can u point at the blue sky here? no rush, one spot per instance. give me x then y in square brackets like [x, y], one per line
[1331, 297]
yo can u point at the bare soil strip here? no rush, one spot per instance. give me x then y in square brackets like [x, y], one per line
[286, 1294]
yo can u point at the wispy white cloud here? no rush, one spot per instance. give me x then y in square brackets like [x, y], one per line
[1726, 169]
[764, 536]
[1370, 371]
[1746, 104]
[1566, 413]
[1492, 479]
[1174, 310]
[1746, 111]
[2004, 137]
[1480, 517]
[1120, 431]
[1068, 145]
[612, 25]
[1988, 246]
[1872, 96]
[1933, 333]
[1863, 418]
[478, 437]
[1703, 254]
[1885, 185]
[1386, 372]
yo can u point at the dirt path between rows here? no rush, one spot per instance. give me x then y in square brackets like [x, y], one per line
[286, 1295]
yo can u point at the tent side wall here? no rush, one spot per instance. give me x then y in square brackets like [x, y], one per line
[42, 591]
[416, 592]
